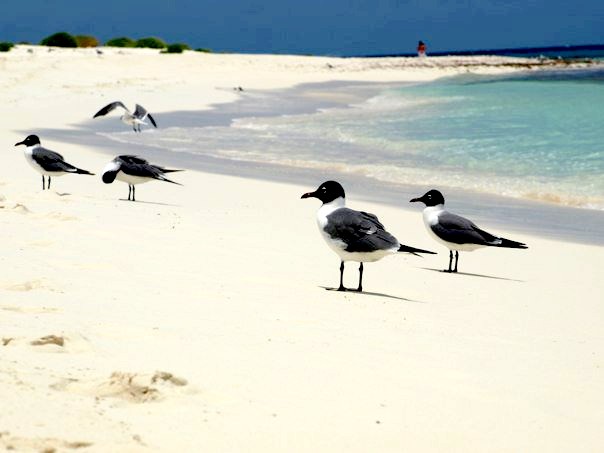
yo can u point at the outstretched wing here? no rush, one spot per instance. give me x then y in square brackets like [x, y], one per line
[459, 230]
[109, 107]
[152, 120]
[360, 231]
[141, 113]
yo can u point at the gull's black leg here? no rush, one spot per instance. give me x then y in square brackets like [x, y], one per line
[360, 288]
[133, 191]
[129, 191]
[450, 262]
[341, 288]
[456, 260]
[43, 183]
[48, 182]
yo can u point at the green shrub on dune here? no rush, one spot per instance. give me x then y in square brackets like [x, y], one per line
[152, 43]
[61, 39]
[121, 42]
[86, 41]
[176, 48]
[5, 46]
[204, 50]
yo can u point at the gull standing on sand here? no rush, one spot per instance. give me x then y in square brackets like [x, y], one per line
[47, 162]
[132, 119]
[455, 232]
[134, 170]
[353, 235]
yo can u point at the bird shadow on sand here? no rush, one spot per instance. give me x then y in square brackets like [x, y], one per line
[494, 277]
[369, 293]
[54, 192]
[157, 203]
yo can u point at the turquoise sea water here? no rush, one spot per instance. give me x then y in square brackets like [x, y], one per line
[537, 135]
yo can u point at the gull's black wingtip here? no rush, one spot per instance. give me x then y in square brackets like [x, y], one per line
[413, 250]
[507, 243]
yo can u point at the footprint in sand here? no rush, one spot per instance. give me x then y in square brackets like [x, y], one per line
[29, 310]
[130, 387]
[40, 243]
[71, 343]
[59, 216]
[9, 442]
[29, 285]
[49, 339]
[14, 207]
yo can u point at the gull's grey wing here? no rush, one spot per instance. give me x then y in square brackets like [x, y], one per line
[459, 230]
[131, 159]
[361, 231]
[50, 160]
[109, 107]
[143, 170]
[168, 170]
[141, 113]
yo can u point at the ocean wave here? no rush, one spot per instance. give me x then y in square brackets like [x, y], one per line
[563, 191]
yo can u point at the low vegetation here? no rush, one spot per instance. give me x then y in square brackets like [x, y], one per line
[61, 39]
[64, 39]
[176, 48]
[5, 46]
[151, 43]
[121, 42]
[86, 41]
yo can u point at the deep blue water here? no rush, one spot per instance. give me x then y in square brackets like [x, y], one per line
[566, 52]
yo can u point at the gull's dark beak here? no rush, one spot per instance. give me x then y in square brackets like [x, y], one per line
[309, 195]
[413, 200]
[20, 143]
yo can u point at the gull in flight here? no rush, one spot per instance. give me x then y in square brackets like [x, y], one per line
[135, 119]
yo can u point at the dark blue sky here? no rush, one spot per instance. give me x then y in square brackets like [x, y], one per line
[334, 27]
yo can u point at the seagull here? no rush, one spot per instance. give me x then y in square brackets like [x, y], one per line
[353, 235]
[133, 119]
[47, 162]
[455, 232]
[134, 170]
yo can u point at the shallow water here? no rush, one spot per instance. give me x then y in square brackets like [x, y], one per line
[532, 136]
[284, 136]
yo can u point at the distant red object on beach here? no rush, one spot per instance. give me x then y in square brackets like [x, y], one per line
[421, 49]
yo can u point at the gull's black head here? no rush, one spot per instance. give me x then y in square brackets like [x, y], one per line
[431, 198]
[31, 140]
[328, 191]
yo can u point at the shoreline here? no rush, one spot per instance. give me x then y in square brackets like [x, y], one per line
[510, 213]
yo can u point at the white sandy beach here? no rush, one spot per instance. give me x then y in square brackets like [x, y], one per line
[196, 319]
